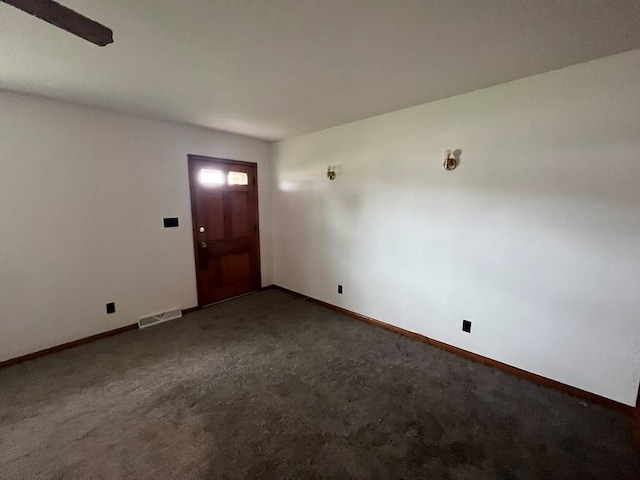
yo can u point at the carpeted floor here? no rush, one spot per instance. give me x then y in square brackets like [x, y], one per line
[271, 386]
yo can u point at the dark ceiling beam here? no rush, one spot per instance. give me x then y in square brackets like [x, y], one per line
[66, 19]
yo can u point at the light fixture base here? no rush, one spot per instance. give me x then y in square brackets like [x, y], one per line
[450, 162]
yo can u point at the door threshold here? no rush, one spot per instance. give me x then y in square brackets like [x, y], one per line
[229, 299]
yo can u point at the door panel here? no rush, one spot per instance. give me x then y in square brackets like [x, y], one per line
[225, 227]
[210, 214]
[239, 206]
[235, 268]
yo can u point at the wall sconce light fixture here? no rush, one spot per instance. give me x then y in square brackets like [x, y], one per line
[450, 163]
[331, 172]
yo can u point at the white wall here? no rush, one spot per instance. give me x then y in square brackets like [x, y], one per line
[535, 238]
[82, 197]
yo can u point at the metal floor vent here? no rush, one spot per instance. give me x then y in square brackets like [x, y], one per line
[159, 318]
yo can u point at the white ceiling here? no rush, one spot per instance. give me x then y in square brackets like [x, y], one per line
[278, 68]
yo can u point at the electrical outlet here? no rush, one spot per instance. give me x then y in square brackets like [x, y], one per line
[466, 326]
[111, 307]
[340, 289]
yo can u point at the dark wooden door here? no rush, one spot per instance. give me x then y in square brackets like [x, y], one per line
[224, 206]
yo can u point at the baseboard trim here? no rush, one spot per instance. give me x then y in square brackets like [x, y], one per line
[66, 346]
[187, 311]
[540, 380]
[637, 414]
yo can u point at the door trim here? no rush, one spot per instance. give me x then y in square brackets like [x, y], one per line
[201, 158]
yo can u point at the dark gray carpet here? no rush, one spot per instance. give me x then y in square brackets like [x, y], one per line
[272, 386]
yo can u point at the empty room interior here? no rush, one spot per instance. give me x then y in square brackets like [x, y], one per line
[351, 239]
